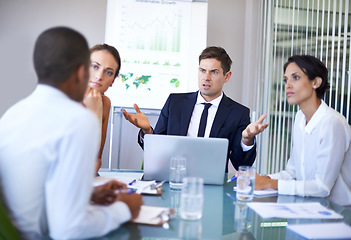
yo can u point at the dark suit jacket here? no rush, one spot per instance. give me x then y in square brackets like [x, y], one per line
[230, 120]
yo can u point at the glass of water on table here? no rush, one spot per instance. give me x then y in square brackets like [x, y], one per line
[245, 183]
[177, 172]
[191, 198]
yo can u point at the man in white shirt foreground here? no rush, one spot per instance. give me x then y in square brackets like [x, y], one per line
[48, 147]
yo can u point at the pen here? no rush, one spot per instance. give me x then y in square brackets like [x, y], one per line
[129, 191]
[131, 183]
[229, 195]
[232, 179]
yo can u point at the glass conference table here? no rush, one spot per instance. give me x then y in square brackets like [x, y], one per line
[223, 217]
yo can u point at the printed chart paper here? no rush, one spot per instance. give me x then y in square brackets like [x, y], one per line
[313, 210]
[338, 230]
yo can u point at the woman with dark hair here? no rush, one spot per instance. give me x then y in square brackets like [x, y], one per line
[105, 64]
[320, 160]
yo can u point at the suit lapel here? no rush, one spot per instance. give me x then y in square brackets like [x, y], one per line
[221, 116]
[187, 110]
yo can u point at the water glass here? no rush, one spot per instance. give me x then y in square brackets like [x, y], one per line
[245, 183]
[175, 202]
[191, 198]
[242, 217]
[177, 172]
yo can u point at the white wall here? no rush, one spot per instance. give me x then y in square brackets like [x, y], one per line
[233, 24]
[21, 21]
[226, 29]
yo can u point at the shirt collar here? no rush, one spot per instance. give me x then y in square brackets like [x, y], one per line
[50, 90]
[215, 102]
[315, 119]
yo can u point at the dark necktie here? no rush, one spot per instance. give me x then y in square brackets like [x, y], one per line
[203, 120]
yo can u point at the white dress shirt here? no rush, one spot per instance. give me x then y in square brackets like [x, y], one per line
[320, 161]
[197, 112]
[196, 116]
[48, 149]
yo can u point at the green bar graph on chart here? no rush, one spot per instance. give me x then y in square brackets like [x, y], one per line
[158, 34]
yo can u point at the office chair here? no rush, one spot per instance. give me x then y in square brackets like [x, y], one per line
[7, 230]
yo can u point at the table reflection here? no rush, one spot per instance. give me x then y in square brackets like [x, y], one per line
[190, 229]
[223, 218]
[243, 220]
[175, 201]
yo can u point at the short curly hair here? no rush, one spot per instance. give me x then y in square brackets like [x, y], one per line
[57, 53]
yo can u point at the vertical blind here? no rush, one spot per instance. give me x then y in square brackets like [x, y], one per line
[315, 27]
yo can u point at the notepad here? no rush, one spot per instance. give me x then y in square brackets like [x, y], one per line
[146, 187]
[153, 215]
[140, 187]
[263, 193]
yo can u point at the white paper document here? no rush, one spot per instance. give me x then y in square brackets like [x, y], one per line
[132, 182]
[313, 210]
[335, 230]
[143, 186]
[121, 175]
[153, 215]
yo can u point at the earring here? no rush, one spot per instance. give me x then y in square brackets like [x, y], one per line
[314, 87]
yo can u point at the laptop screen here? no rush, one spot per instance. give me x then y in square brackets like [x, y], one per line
[205, 157]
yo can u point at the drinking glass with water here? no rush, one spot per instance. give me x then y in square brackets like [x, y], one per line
[191, 198]
[177, 172]
[245, 183]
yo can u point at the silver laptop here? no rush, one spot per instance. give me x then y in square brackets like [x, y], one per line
[205, 157]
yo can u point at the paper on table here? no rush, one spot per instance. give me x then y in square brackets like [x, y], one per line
[101, 180]
[264, 192]
[335, 230]
[152, 215]
[114, 174]
[144, 187]
[293, 210]
[141, 187]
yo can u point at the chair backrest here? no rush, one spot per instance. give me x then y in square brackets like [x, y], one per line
[7, 230]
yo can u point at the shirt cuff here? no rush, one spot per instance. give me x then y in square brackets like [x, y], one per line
[275, 176]
[124, 213]
[245, 147]
[287, 187]
[142, 134]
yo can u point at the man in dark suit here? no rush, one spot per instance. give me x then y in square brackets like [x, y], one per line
[207, 112]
